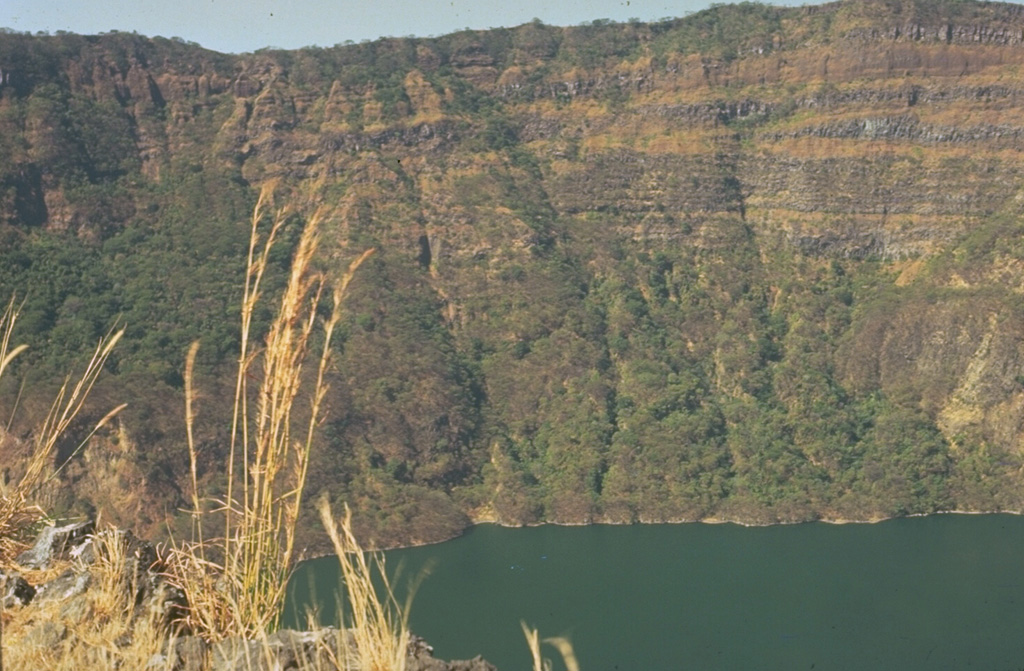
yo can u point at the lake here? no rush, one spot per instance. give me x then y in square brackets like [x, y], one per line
[928, 593]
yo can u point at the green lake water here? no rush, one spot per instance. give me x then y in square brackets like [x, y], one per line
[928, 593]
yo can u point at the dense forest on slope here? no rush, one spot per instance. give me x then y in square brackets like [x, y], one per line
[762, 264]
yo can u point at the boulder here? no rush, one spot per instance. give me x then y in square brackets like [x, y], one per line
[15, 590]
[54, 542]
[64, 587]
[282, 650]
[184, 653]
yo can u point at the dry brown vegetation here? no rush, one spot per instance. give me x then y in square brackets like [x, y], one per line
[100, 629]
[379, 623]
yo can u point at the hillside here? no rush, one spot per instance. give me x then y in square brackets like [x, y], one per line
[761, 264]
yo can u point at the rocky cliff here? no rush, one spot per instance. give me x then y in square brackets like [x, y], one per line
[757, 263]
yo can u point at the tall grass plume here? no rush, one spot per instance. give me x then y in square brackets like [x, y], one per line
[379, 624]
[236, 583]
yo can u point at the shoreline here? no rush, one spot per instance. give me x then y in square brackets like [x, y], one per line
[707, 520]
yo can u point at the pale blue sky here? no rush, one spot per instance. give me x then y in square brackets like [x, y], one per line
[247, 25]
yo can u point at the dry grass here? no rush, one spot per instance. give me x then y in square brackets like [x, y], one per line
[560, 643]
[236, 583]
[99, 629]
[19, 508]
[379, 624]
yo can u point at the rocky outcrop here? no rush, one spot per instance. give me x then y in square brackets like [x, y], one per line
[54, 542]
[155, 600]
[279, 123]
[16, 590]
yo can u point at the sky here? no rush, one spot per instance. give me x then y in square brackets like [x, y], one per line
[237, 26]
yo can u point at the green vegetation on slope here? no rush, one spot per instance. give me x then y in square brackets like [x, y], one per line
[625, 272]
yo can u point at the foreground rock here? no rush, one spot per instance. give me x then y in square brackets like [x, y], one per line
[289, 649]
[53, 606]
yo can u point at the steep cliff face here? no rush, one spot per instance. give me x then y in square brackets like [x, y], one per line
[759, 263]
